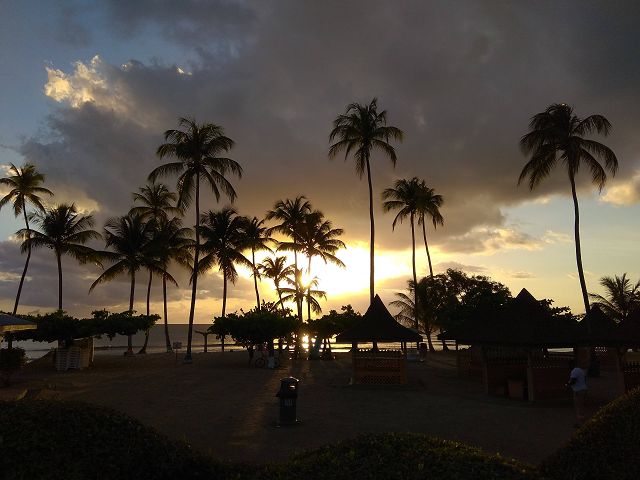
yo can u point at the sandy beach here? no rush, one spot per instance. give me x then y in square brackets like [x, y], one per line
[225, 407]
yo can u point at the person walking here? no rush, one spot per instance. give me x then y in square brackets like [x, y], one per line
[578, 383]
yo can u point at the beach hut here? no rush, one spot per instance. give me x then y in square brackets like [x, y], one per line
[378, 366]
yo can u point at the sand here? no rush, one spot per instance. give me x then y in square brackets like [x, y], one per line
[225, 407]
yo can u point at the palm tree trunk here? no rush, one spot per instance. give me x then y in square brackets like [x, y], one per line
[26, 264]
[224, 301]
[415, 277]
[164, 307]
[146, 333]
[297, 285]
[131, 295]
[187, 357]
[280, 297]
[309, 292]
[426, 247]
[583, 285]
[59, 259]
[255, 277]
[372, 240]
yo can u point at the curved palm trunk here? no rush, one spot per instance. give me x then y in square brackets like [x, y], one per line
[280, 297]
[583, 285]
[415, 278]
[224, 302]
[146, 333]
[255, 277]
[309, 292]
[131, 295]
[297, 351]
[426, 247]
[59, 259]
[188, 358]
[164, 307]
[372, 240]
[26, 263]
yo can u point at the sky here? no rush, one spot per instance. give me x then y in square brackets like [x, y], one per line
[88, 88]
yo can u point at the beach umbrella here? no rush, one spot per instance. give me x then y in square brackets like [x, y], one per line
[9, 323]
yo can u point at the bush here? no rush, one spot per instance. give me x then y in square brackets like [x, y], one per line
[73, 440]
[402, 457]
[10, 361]
[607, 446]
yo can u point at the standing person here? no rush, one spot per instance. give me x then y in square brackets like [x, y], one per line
[578, 383]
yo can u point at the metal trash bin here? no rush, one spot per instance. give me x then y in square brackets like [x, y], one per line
[288, 395]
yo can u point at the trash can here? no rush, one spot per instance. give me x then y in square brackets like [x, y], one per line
[288, 395]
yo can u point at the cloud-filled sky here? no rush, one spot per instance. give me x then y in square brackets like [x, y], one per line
[89, 87]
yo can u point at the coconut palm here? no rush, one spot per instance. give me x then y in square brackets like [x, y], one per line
[223, 242]
[361, 130]
[405, 197]
[66, 232]
[24, 188]
[291, 214]
[316, 238]
[310, 294]
[256, 238]
[421, 314]
[196, 150]
[129, 238]
[559, 134]
[277, 270]
[157, 202]
[429, 206]
[622, 297]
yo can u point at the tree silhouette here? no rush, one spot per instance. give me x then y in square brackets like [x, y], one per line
[622, 297]
[223, 243]
[65, 231]
[558, 134]
[197, 149]
[24, 188]
[256, 238]
[360, 130]
[278, 271]
[429, 206]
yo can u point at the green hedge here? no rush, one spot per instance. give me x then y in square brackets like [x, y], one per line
[73, 440]
[607, 446]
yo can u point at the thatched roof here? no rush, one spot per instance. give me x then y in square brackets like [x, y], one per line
[629, 330]
[597, 328]
[377, 325]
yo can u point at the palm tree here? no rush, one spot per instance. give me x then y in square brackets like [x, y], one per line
[622, 297]
[223, 243]
[291, 214]
[405, 197]
[420, 314]
[278, 271]
[429, 206]
[311, 294]
[558, 134]
[170, 243]
[24, 185]
[197, 149]
[316, 238]
[362, 129]
[65, 231]
[256, 237]
[129, 239]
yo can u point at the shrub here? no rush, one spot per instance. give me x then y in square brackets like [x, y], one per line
[607, 446]
[400, 456]
[10, 361]
[73, 440]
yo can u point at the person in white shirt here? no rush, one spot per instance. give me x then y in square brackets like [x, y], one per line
[578, 383]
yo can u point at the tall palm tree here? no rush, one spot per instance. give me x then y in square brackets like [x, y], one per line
[622, 297]
[317, 238]
[129, 238]
[196, 150]
[223, 243]
[278, 271]
[559, 134]
[171, 243]
[291, 214]
[362, 129]
[405, 197]
[256, 238]
[24, 188]
[66, 232]
[429, 206]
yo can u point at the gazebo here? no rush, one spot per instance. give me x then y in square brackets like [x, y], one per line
[378, 366]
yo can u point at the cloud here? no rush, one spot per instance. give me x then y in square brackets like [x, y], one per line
[442, 266]
[626, 192]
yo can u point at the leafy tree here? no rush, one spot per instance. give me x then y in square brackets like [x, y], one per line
[196, 150]
[361, 130]
[256, 238]
[65, 231]
[558, 134]
[621, 296]
[24, 188]
[223, 243]
[332, 324]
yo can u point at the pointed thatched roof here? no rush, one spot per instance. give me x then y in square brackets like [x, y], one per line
[629, 330]
[597, 328]
[377, 325]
